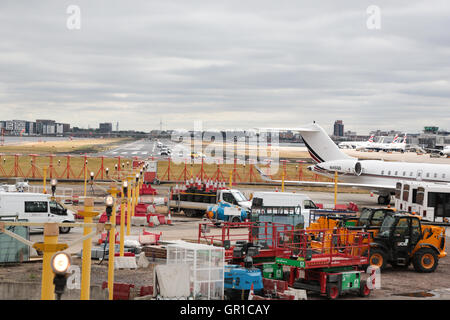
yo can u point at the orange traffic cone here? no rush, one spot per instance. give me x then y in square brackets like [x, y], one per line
[169, 219]
[250, 294]
[276, 189]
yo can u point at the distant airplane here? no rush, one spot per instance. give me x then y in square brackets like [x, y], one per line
[355, 144]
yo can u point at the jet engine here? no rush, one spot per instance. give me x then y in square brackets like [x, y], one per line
[347, 166]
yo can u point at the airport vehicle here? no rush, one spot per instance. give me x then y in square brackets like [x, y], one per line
[431, 201]
[405, 239]
[195, 201]
[439, 152]
[238, 281]
[34, 207]
[164, 152]
[331, 269]
[375, 175]
[286, 199]
[226, 212]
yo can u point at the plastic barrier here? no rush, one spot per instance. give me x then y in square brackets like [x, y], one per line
[121, 291]
[147, 190]
[146, 291]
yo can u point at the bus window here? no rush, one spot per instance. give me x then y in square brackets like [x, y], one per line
[398, 190]
[420, 195]
[440, 201]
[406, 192]
[414, 195]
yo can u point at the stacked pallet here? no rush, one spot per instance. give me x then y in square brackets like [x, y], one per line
[155, 251]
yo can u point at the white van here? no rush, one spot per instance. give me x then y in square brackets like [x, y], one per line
[287, 199]
[34, 207]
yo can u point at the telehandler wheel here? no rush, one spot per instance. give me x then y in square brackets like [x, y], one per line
[377, 258]
[425, 260]
[364, 290]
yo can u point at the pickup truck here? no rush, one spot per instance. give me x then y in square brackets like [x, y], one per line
[196, 202]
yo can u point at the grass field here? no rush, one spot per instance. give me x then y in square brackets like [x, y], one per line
[66, 146]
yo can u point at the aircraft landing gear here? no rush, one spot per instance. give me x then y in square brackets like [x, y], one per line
[384, 199]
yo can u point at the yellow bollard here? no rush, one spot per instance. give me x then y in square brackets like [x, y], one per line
[122, 223]
[282, 181]
[44, 179]
[88, 215]
[49, 247]
[112, 242]
[231, 179]
[129, 206]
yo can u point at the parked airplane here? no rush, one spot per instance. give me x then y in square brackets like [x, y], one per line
[355, 144]
[375, 175]
[394, 145]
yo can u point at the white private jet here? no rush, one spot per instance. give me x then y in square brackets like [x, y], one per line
[375, 175]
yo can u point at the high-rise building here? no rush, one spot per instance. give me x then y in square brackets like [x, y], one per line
[338, 128]
[105, 127]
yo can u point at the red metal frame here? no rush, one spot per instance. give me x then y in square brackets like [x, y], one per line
[247, 231]
[336, 248]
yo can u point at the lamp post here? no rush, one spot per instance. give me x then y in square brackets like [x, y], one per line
[110, 213]
[53, 182]
[122, 216]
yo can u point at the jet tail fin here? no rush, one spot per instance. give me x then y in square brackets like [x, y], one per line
[319, 144]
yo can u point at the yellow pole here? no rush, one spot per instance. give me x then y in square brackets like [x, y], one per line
[122, 224]
[48, 288]
[135, 197]
[112, 243]
[85, 179]
[282, 181]
[44, 179]
[231, 179]
[88, 215]
[335, 187]
[129, 206]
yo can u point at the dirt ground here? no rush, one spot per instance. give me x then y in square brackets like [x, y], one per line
[396, 284]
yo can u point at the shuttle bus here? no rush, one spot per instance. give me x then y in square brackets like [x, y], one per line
[429, 200]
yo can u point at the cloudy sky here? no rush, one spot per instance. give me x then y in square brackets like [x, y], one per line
[230, 64]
